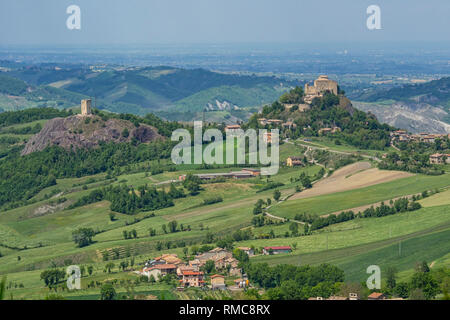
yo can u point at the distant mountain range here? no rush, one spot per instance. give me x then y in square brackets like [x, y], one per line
[194, 94]
[176, 94]
[417, 107]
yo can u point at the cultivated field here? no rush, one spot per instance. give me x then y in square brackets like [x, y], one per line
[354, 176]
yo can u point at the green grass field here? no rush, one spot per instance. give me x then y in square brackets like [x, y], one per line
[327, 143]
[400, 241]
[354, 198]
[438, 199]
[39, 235]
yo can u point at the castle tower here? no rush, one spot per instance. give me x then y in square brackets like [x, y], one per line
[86, 107]
[323, 84]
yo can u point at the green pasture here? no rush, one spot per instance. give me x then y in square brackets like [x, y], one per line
[354, 198]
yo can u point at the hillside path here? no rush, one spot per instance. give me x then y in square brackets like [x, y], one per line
[319, 147]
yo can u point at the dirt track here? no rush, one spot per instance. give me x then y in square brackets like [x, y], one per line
[354, 176]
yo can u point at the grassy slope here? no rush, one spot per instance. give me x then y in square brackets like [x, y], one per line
[356, 244]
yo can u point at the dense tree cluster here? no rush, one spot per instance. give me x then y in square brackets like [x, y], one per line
[192, 184]
[83, 236]
[270, 185]
[424, 284]
[397, 206]
[212, 200]
[127, 200]
[288, 282]
[28, 115]
[52, 277]
[176, 193]
[24, 130]
[414, 157]
[295, 96]
[23, 177]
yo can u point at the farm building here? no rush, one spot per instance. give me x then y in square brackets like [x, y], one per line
[155, 272]
[192, 279]
[276, 250]
[247, 250]
[232, 128]
[439, 158]
[196, 264]
[218, 282]
[274, 121]
[289, 125]
[294, 161]
[159, 270]
[184, 268]
[214, 254]
[376, 296]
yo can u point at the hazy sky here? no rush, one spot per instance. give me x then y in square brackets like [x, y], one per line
[220, 21]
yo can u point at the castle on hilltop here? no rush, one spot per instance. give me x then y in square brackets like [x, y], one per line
[321, 85]
[86, 107]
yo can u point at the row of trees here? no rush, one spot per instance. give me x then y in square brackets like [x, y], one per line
[288, 282]
[127, 200]
[411, 161]
[397, 206]
[424, 284]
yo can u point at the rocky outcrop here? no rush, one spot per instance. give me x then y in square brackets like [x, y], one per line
[87, 132]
